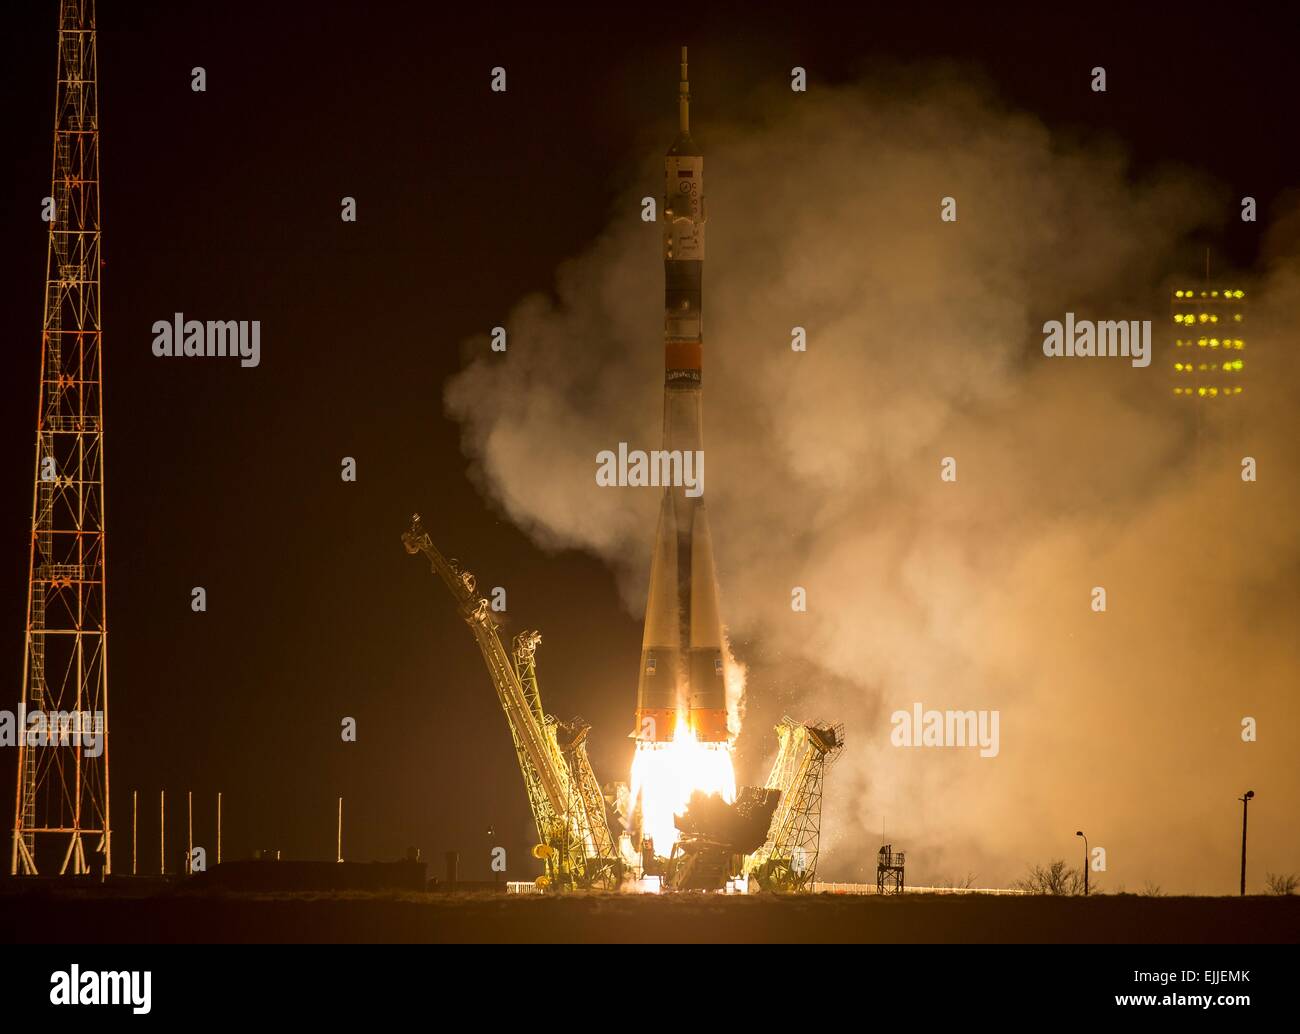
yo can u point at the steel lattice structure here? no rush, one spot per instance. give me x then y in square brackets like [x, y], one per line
[890, 866]
[573, 744]
[62, 798]
[788, 860]
[574, 840]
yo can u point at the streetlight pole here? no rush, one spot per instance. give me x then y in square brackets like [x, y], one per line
[1079, 833]
[1245, 804]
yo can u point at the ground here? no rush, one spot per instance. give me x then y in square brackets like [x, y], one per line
[172, 915]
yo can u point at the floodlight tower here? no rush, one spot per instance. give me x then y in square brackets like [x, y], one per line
[1209, 339]
[1208, 360]
[61, 810]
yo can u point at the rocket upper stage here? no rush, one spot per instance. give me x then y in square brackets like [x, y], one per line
[682, 671]
[683, 249]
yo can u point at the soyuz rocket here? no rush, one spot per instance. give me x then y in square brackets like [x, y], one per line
[682, 674]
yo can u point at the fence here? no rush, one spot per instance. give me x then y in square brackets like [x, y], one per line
[870, 888]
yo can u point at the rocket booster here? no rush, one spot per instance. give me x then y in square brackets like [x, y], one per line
[682, 673]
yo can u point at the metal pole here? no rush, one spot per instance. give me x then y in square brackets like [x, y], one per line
[340, 841]
[1079, 833]
[135, 809]
[162, 832]
[1245, 804]
[218, 827]
[189, 835]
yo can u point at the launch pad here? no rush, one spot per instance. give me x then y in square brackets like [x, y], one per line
[768, 837]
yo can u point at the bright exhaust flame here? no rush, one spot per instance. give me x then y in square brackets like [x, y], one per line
[664, 775]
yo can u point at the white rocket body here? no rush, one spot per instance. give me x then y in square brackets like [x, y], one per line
[682, 668]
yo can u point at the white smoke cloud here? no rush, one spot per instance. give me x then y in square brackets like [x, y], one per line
[924, 342]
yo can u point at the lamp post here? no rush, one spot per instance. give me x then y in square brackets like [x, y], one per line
[1079, 833]
[1245, 804]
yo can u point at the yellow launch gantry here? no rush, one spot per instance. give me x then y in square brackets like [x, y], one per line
[572, 830]
[788, 860]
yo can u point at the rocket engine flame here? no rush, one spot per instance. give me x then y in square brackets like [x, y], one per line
[666, 773]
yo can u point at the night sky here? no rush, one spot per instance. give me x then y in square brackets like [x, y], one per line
[225, 205]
